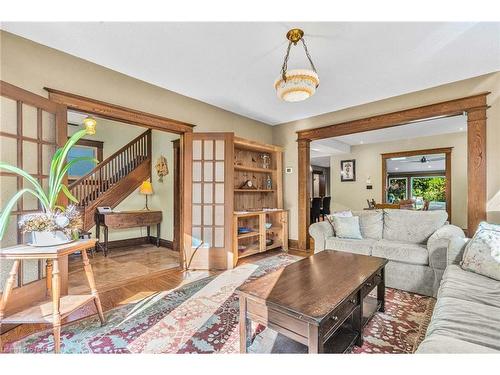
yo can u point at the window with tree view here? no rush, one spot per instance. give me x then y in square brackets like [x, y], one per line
[431, 189]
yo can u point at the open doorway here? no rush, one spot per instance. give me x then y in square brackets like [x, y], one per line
[472, 109]
[130, 158]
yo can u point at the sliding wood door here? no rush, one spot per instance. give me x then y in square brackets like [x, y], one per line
[208, 209]
[31, 127]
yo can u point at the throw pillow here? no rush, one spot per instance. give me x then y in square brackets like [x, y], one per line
[347, 227]
[481, 252]
[330, 217]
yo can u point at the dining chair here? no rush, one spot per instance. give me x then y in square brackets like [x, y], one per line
[315, 209]
[325, 207]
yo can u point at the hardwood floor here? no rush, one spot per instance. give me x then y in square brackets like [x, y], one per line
[122, 266]
[132, 291]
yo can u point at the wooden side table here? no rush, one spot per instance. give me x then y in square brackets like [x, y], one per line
[58, 308]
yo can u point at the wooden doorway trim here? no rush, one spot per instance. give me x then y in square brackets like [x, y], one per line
[474, 107]
[147, 120]
[444, 150]
[118, 113]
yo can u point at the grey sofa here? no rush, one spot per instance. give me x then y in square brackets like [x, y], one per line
[466, 318]
[414, 242]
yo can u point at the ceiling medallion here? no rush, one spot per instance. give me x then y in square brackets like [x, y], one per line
[297, 84]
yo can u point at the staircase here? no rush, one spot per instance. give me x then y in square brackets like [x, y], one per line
[115, 178]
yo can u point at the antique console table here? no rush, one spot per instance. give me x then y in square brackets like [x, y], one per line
[126, 219]
[59, 307]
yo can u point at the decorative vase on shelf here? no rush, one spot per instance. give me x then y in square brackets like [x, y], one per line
[269, 183]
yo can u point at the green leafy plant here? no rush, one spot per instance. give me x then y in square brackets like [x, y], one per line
[432, 189]
[58, 169]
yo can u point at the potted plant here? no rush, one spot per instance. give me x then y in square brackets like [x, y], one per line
[55, 224]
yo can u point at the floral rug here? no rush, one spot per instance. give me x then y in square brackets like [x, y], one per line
[202, 317]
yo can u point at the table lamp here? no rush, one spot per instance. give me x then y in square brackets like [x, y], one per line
[146, 189]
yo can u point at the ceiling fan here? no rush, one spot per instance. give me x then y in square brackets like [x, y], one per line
[424, 159]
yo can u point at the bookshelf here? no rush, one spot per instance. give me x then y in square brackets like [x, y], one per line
[258, 205]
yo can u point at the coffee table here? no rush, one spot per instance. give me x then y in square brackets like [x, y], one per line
[317, 301]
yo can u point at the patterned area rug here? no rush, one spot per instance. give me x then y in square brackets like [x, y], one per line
[202, 317]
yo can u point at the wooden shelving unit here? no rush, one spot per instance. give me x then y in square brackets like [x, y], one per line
[261, 204]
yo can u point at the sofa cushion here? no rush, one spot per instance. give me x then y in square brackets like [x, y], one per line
[371, 223]
[401, 252]
[436, 344]
[412, 226]
[479, 252]
[473, 322]
[469, 286]
[363, 247]
[347, 227]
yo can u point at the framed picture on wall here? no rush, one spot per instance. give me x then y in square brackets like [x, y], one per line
[348, 170]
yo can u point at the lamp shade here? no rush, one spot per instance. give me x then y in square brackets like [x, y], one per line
[90, 123]
[299, 85]
[146, 188]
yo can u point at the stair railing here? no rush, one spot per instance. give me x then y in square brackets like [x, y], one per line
[107, 173]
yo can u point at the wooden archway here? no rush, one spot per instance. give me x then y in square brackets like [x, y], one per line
[473, 106]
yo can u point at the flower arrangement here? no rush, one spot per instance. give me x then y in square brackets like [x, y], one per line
[68, 221]
[62, 222]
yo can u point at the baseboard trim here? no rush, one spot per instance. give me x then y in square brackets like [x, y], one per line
[293, 244]
[140, 241]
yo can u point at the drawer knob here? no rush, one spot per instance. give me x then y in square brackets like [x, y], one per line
[368, 284]
[335, 318]
[353, 301]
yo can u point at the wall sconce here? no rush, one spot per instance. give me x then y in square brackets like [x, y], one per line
[369, 185]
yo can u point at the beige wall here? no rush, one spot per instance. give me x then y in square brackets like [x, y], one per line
[353, 195]
[285, 134]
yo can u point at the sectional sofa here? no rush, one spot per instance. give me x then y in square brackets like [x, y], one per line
[414, 242]
[466, 317]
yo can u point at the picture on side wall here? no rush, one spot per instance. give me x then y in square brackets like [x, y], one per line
[348, 170]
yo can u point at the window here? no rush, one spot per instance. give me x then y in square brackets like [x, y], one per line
[431, 189]
[80, 169]
[84, 148]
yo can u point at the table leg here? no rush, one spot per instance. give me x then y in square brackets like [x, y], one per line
[357, 320]
[90, 278]
[245, 326]
[148, 231]
[9, 285]
[56, 315]
[97, 232]
[105, 241]
[158, 235]
[315, 343]
[48, 276]
[381, 292]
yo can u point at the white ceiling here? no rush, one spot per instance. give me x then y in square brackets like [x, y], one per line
[322, 149]
[234, 65]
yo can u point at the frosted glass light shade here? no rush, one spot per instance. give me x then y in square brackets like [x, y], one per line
[300, 84]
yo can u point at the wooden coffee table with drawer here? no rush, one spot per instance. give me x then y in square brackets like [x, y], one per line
[317, 301]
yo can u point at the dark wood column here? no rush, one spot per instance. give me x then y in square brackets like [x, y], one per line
[304, 191]
[476, 167]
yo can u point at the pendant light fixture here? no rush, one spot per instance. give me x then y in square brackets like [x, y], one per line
[297, 84]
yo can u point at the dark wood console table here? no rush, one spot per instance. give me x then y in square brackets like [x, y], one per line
[126, 219]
